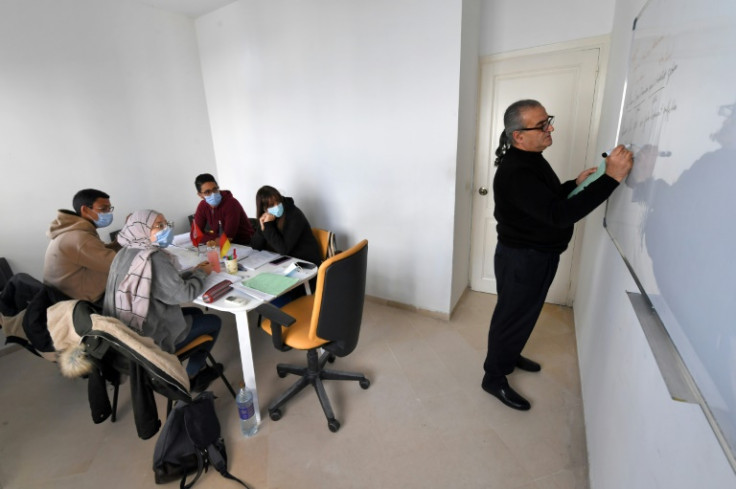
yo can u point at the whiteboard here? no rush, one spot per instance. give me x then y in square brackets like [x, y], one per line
[674, 218]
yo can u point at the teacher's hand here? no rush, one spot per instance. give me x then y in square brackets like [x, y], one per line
[584, 174]
[619, 163]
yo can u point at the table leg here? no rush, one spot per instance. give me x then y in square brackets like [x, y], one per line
[246, 358]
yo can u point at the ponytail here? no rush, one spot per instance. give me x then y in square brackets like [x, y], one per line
[503, 147]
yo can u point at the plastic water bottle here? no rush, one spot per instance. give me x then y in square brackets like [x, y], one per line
[248, 424]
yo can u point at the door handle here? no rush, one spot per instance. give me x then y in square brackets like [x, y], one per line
[483, 191]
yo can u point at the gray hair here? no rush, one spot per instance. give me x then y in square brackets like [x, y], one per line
[512, 121]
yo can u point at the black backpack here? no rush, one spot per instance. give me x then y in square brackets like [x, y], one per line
[190, 442]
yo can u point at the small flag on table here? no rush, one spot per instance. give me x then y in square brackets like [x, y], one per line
[224, 245]
[196, 234]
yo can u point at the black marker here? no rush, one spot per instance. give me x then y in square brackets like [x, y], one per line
[606, 153]
[663, 154]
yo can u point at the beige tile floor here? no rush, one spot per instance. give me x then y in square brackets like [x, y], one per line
[424, 422]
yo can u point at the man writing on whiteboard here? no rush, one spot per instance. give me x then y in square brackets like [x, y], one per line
[535, 223]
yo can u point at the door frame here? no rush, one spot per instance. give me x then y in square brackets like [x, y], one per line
[592, 157]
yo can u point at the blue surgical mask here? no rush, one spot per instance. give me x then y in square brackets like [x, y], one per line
[104, 219]
[277, 210]
[165, 237]
[213, 199]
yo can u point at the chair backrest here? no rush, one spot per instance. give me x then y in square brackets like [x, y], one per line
[110, 341]
[5, 273]
[339, 298]
[326, 241]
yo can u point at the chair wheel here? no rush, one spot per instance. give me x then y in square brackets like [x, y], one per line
[333, 424]
[365, 383]
[280, 372]
[331, 358]
[275, 415]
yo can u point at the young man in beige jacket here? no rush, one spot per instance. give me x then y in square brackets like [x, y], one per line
[77, 261]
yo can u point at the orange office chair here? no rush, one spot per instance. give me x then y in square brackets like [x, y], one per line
[326, 241]
[192, 347]
[329, 320]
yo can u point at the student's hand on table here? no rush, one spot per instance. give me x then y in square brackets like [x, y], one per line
[205, 266]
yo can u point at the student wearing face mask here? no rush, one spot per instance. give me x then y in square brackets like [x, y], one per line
[219, 212]
[145, 290]
[77, 260]
[283, 228]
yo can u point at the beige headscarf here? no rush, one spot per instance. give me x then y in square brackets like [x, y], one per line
[133, 294]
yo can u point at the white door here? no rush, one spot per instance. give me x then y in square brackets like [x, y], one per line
[565, 83]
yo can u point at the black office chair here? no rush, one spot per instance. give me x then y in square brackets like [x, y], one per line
[330, 319]
[182, 354]
[112, 350]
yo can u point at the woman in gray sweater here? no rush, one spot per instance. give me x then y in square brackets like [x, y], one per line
[145, 290]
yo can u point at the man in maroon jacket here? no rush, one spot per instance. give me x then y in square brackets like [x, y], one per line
[219, 212]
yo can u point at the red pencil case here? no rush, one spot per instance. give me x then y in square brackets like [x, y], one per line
[217, 291]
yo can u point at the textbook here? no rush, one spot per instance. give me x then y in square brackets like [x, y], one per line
[591, 178]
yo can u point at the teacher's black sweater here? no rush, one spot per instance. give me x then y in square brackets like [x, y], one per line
[532, 208]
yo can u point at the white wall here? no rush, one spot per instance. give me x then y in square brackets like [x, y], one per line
[509, 25]
[467, 134]
[350, 107]
[638, 437]
[102, 94]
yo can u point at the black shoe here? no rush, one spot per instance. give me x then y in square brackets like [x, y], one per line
[508, 396]
[528, 365]
[204, 378]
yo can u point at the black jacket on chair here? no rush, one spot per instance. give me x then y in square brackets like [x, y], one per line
[24, 294]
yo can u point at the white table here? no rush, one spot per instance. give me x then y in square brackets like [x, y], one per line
[240, 311]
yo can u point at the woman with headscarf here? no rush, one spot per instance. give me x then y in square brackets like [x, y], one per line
[145, 290]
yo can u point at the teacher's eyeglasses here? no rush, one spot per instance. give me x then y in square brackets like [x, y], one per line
[544, 126]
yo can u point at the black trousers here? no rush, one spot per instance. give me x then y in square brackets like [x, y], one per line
[523, 277]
